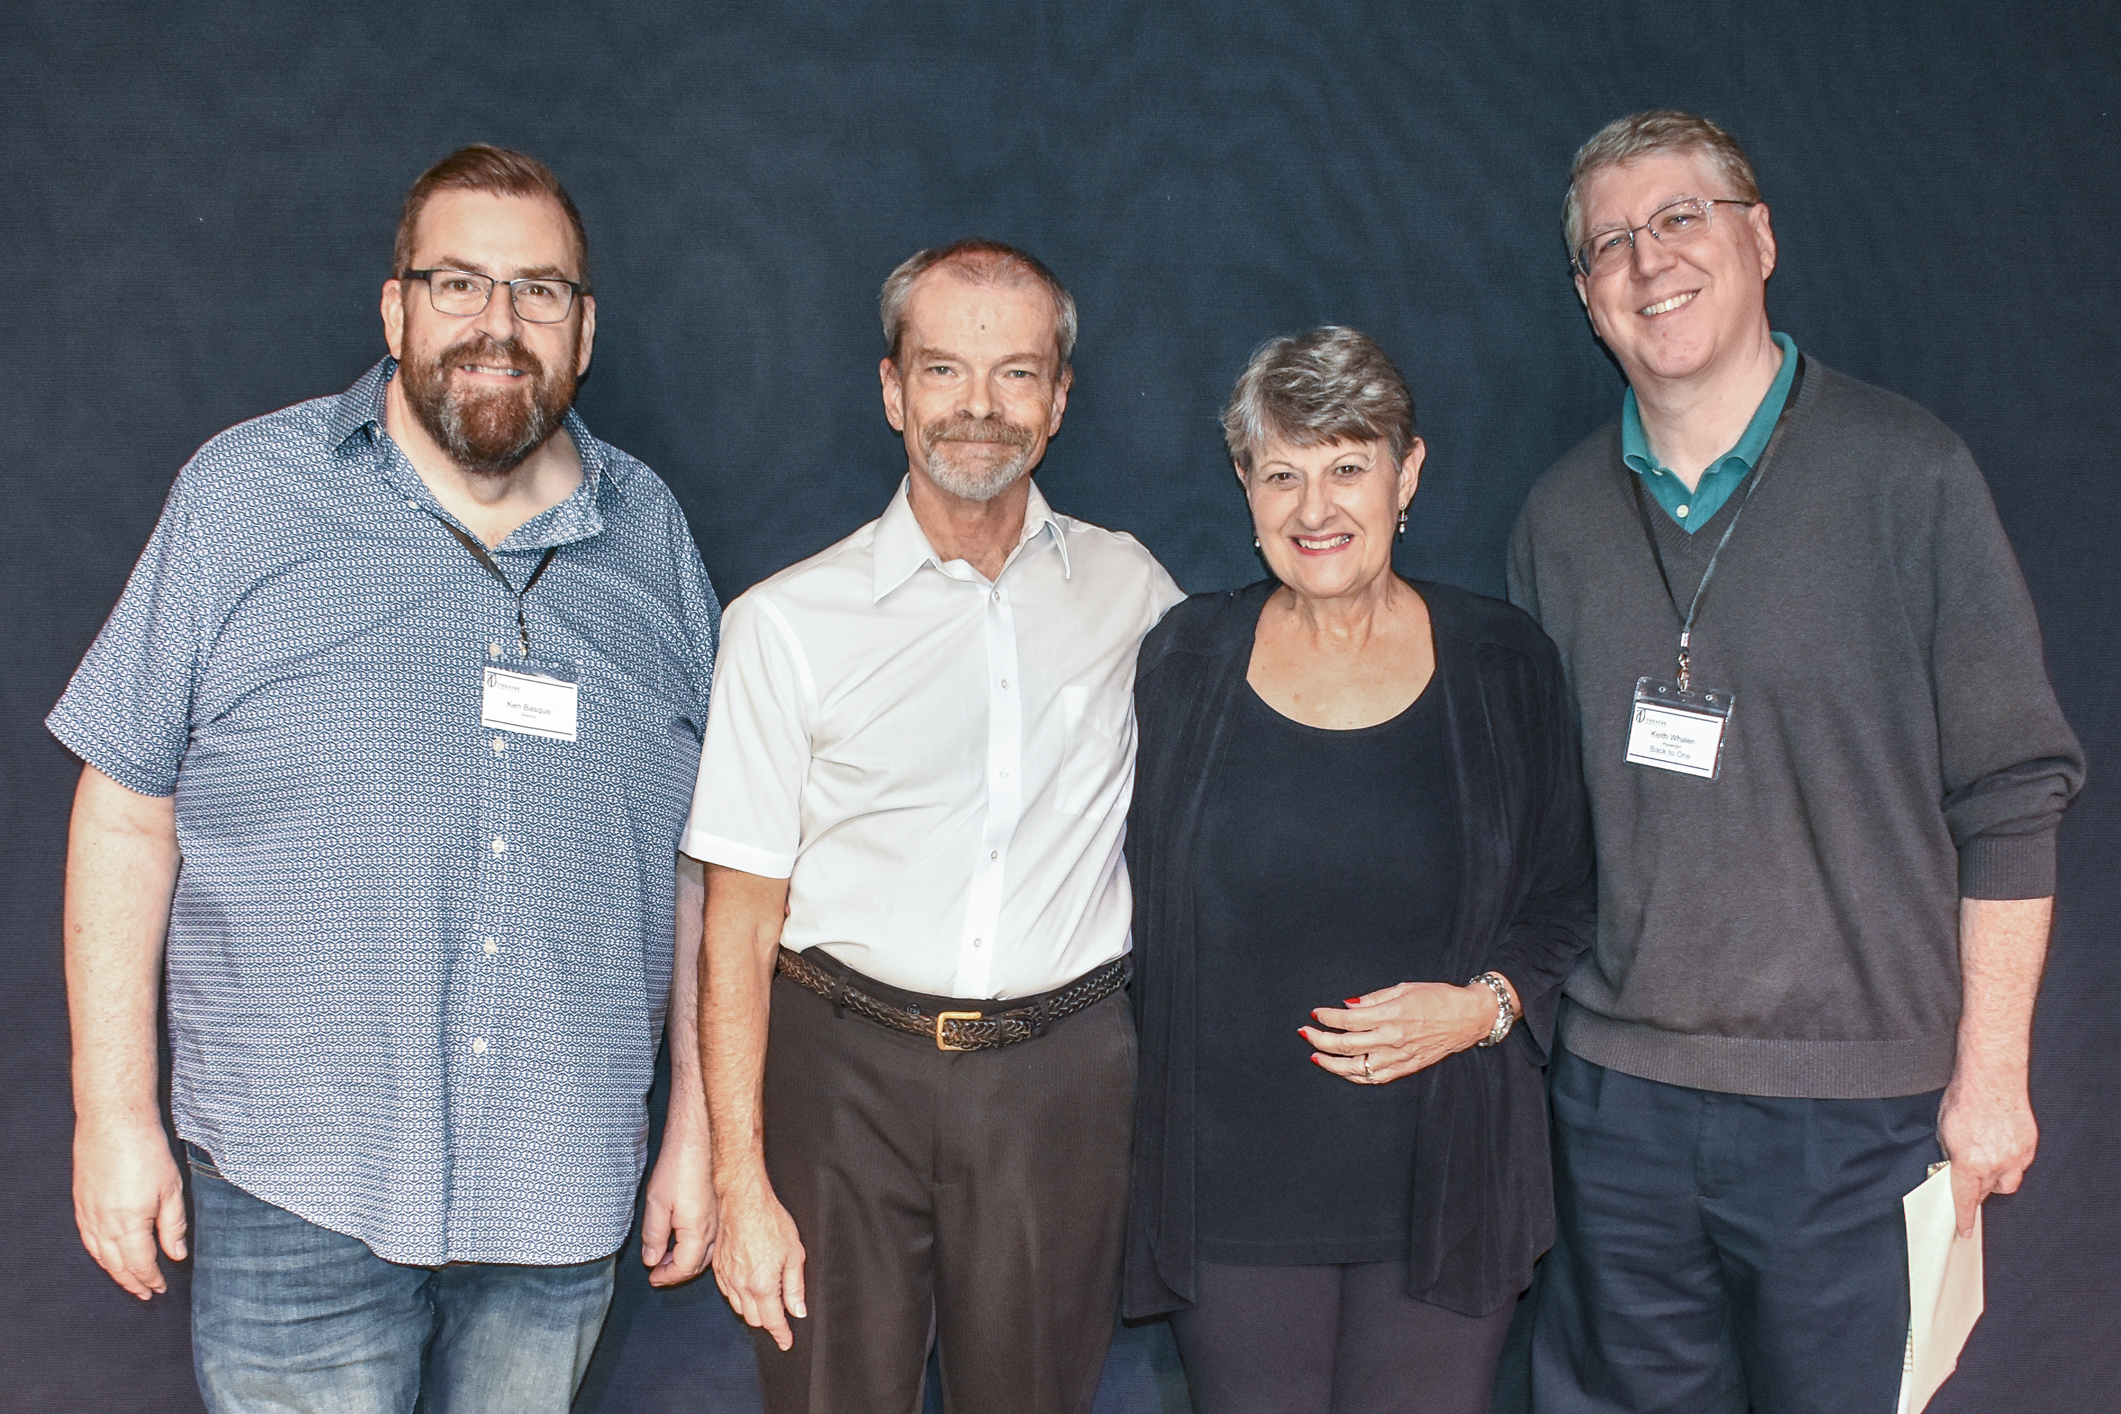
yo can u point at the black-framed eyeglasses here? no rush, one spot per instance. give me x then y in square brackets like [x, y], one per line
[538, 299]
[1674, 223]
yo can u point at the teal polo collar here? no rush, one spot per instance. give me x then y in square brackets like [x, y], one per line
[1690, 510]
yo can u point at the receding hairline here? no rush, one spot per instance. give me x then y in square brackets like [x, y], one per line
[976, 260]
[1002, 274]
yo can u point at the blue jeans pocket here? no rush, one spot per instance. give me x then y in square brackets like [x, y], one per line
[200, 1161]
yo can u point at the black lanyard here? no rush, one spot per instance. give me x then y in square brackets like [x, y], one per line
[1649, 533]
[478, 552]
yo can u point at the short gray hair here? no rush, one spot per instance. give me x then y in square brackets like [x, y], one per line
[1637, 136]
[1332, 384]
[983, 262]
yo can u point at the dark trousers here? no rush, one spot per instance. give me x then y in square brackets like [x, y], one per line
[1715, 1250]
[1343, 1338]
[975, 1197]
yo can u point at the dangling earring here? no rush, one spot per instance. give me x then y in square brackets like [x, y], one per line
[1402, 523]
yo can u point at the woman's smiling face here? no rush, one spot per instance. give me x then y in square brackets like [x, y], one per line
[1326, 515]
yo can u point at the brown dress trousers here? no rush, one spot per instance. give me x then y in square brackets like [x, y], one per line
[977, 1198]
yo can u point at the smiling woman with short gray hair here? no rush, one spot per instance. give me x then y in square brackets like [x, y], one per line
[1360, 853]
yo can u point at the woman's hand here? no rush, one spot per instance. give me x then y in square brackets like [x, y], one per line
[1380, 1036]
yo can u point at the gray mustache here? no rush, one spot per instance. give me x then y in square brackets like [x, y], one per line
[966, 430]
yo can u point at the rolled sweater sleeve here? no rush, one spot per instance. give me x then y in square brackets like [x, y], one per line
[2009, 762]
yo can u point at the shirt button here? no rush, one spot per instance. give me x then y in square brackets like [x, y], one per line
[500, 846]
[975, 942]
[411, 505]
[994, 854]
[500, 745]
[1681, 512]
[478, 1046]
[493, 650]
[1005, 683]
[492, 947]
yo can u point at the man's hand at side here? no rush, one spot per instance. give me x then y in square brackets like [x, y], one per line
[758, 1254]
[758, 1263]
[678, 1221]
[121, 870]
[1985, 1123]
[127, 1193]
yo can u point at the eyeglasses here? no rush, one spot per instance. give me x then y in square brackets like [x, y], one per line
[1673, 224]
[538, 299]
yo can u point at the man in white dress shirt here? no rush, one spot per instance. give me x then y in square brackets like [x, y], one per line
[911, 803]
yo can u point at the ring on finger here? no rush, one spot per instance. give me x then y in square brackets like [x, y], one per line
[1366, 1068]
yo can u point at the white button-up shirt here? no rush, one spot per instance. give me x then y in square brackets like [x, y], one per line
[939, 764]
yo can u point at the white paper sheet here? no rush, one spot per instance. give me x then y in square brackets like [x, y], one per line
[1943, 1285]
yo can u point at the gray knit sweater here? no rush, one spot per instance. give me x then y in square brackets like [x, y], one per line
[1792, 927]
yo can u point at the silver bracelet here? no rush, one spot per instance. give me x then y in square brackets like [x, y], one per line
[1505, 1014]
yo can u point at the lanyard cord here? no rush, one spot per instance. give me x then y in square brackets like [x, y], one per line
[1686, 620]
[478, 553]
[1649, 533]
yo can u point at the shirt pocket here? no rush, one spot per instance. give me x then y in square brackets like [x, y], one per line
[1097, 742]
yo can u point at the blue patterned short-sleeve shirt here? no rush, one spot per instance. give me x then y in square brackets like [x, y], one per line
[418, 968]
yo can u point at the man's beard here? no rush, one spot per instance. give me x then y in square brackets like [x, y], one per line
[488, 432]
[948, 444]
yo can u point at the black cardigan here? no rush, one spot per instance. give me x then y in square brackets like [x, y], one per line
[1483, 1183]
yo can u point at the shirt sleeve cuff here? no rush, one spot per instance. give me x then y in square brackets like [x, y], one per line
[730, 854]
[77, 738]
[2008, 866]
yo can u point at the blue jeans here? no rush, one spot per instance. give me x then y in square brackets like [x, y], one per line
[1720, 1252]
[292, 1318]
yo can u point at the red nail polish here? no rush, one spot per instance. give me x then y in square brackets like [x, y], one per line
[1352, 1001]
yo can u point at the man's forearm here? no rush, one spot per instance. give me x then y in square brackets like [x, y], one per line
[688, 1097]
[2002, 953]
[121, 872]
[744, 914]
[1986, 1124]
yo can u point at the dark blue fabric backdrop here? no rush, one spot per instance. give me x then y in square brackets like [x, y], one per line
[200, 206]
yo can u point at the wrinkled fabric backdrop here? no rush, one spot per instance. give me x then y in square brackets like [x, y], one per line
[200, 202]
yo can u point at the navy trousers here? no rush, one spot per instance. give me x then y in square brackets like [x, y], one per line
[1718, 1251]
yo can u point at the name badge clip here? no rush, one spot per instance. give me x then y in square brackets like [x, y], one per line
[1674, 727]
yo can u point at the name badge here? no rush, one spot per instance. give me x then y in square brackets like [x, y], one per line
[534, 699]
[1678, 729]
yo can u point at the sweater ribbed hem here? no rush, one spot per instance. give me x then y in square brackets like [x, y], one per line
[1744, 1065]
[2008, 866]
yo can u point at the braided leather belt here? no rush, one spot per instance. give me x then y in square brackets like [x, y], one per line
[1024, 1018]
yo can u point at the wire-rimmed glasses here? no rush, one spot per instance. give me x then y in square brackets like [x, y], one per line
[1674, 223]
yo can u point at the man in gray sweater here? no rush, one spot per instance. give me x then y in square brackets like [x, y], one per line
[1827, 769]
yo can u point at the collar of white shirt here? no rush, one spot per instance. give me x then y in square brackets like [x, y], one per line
[901, 546]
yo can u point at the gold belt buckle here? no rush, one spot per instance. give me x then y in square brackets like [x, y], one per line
[945, 1016]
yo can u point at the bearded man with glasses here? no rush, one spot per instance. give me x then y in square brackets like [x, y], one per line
[411, 683]
[1826, 769]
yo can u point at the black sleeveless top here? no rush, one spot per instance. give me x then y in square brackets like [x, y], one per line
[1327, 868]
